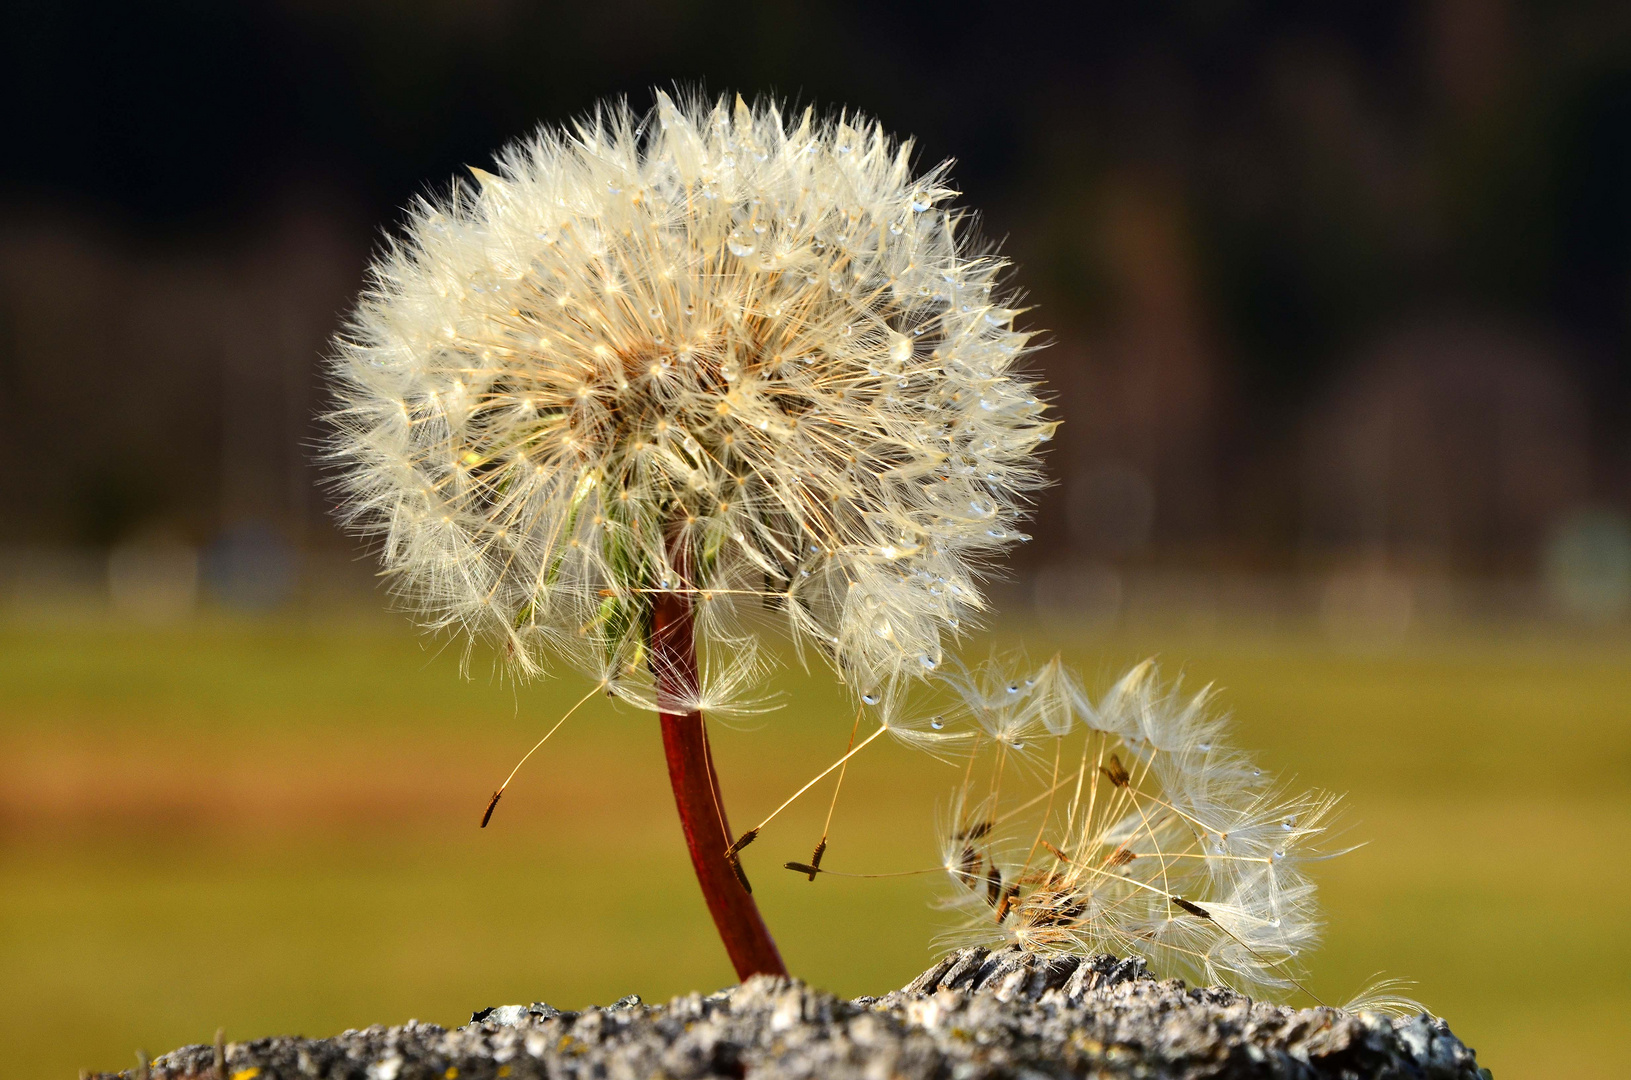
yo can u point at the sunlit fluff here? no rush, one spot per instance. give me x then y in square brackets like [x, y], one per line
[708, 351]
[1130, 828]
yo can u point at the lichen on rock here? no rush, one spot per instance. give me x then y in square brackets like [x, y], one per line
[974, 1014]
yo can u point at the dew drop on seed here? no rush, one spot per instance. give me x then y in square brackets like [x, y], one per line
[1013, 688]
[739, 245]
[900, 348]
[937, 723]
[870, 697]
[928, 662]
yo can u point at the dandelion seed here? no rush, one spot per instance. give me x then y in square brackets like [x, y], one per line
[1136, 841]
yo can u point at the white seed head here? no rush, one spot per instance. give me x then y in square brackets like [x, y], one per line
[706, 351]
[1129, 828]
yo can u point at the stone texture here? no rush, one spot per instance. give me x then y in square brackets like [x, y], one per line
[974, 1014]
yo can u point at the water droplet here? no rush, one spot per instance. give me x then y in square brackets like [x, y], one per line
[1013, 688]
[1019, 745]
[928, 662]
[896, 228]
[900, 348]
[870, 697]
[1279, 854]
[883, 629]
[937, 723]
[739, 245]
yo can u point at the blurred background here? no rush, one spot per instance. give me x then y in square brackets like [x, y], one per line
[1339, 311]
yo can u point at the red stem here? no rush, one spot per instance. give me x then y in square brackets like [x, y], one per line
[696, 794]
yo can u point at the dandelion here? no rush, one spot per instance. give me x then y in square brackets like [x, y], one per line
[660, 381]
[1138, 830]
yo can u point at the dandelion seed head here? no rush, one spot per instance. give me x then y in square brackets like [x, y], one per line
[1119, 833]
[713, 348]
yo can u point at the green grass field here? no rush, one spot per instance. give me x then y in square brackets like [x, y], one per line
[272, 828]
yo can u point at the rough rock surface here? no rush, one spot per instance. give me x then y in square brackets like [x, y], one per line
[974, 1014]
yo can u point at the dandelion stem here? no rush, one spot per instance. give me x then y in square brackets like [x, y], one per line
[696, 794]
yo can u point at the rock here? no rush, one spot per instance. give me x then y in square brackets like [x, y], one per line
[975, 1014]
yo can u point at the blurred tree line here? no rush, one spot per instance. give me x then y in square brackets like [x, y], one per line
[1324, 283]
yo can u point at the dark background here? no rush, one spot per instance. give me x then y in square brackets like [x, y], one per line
[1327, 285]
